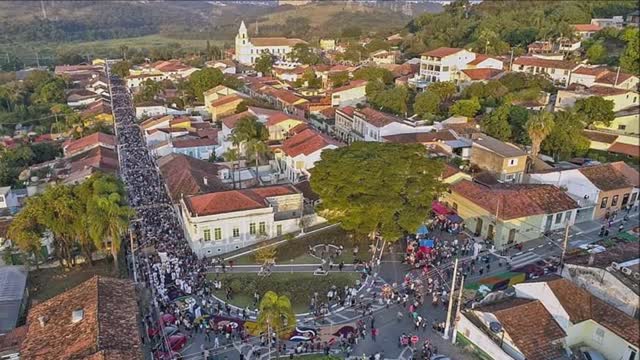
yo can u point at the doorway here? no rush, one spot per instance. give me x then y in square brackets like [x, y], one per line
[478, 227]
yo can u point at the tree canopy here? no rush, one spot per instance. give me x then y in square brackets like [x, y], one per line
[264, 64]
[377, 187]
[595, 109]
[566, 138]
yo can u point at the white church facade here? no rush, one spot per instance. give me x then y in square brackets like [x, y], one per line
[248, 50]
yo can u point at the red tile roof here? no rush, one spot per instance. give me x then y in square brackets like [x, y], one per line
[286, 96]
[170, 66]
[109, 323]
[545, 63]
[378, 118]
[605, 177]
[599, 136]
[231, 121]
[449, 171]
[512, 201]
[612, 78]
[593, 71]
[479, 58]
[226, 100]
[347, 110]
[280, 117]
[185, 175]
[482, 74]
[188, 143]
[96, 108]
[580, 305]
[306, 142]
[626, 149]
[275, 41]
[586, 27]
[92, 140]
[630, 173]
[531, 327]
[442, 52]
[235, 200]
[98, 157]
[606, 90]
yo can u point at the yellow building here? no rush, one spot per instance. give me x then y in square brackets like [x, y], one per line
[98, 62]
[225, 105]
[506, 161]
[279, 125]
[509, 214]
[627, 121]
[215, 93]
[327, 44]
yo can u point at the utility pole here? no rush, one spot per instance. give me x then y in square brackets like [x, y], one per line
[617, 76]
[133, 258]
[564, 246]
[450, 307]
[455, 333]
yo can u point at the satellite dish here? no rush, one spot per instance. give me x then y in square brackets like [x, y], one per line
[495, 326]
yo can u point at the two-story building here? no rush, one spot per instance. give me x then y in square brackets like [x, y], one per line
[350, 94]
[248, 50]
[503, 160]
[621, 98]
[445, 64]
[216, 93]
[300, 152]
[602, 76]
[368, 124]
[220, 222]
[510, 214]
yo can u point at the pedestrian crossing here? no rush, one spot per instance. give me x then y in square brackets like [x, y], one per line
[523, 259]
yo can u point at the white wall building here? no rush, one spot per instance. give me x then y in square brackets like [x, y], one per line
[300, 152]
[444, 64]
[249, 50]
[350, 94]
[559, 71]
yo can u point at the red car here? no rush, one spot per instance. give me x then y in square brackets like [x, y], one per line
[177, 341]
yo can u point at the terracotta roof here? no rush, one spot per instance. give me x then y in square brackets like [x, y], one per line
[329, 112]
[235, 200]
[286, 96]
[232, 120]
[306, 142]
[170, 66]
[610, 78]
[13, 339]
[184, 175]
[630, 173]
[275, 41]
[98, 158]
[94, 139]
[280, 117]
[377, 118]
[580, 305]
[593, 71]
[482, 74]
[545, 63]
[442, 52]
[179, 120]
[155, 120]
[187, 143]
[512, 201]
[449, 171]
[479, 58]
[347, 110]
[586, 27]
[226, 100]
[499, 147]
[605, 177]
[109, 323]
[606, 90]
[298, 128]
[421, 137]
[95, 108]
[531, 327]
[599, 136]
[352, 85]
[626, 149]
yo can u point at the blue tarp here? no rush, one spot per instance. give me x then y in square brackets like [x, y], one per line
[422, 230]
[426, 243]
[454, 218]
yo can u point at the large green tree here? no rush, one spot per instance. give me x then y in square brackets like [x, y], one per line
[427, 103]
[566, 138]
[444, 89]
[253, 135]
[539, 126]
[304, 54]
[275, 314]
[264, 64]
[121, 68]
[377, 187]
[595, 109]
[372, 74]
[630, 58]
[203, 80]
[497, 123]
[464, 107]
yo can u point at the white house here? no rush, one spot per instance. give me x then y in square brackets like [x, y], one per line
[559, 71]
[602, 76]
[135, 81]
[248, 50]
[199, 148]
[151, 110]
[586, 31]
[372, 125]
[300, 152]
[445, 64]
[349, 94]
[622, 98]
[8, 198]
[220, 222]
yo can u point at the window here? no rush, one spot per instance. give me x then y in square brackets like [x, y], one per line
[206, 233]
[445, 68]
[633, 198]
[236, 232]
[279, 229]
[598, 336]
[217, 234]
[567, 216]
[513, 162]
[262, 228]
[558, 218]
[566, 72]
[1, 198]
[252, 229]
[622, 127]
[603, 204]
[553, 71]
[614, 200]
[625, 199]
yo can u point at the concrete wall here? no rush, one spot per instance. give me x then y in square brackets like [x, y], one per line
[482, 340]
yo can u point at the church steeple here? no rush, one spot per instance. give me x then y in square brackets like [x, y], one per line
[242, 32]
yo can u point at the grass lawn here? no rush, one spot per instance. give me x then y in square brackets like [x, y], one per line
[299, 287]
[296, 251]
[47, 283]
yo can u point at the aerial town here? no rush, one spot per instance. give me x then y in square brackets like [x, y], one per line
[357, 179]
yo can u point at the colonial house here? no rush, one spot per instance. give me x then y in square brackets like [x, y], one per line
[505, 161]
[199, 148]
[625, 121]
[468, 76]
[350, 94]
[509, 214]
[599, 189]
[602, 76]
[559, 71]
[97, 319]
[621, 98]
[586, 31]
[97, 112]
[384, 57]
[135, 81]
[172, 69]
[550, 319]
[220, 222]
[216, 93]
[226, 66]
[82, 97]
[89, 142]
[248, 50]
[186, 175]
[367, 124]
[225, 105]
[300, 152]
[437, 141]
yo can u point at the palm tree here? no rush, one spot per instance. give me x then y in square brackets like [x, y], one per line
[539, 126]
[275, 313]
[232, 155]
[124, 49]
[254, 134]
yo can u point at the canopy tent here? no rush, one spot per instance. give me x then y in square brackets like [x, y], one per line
[455, 218]
[426, 243]
[439, 208]
[422, 230]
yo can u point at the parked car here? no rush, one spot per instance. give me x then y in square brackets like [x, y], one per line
[177, 341]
